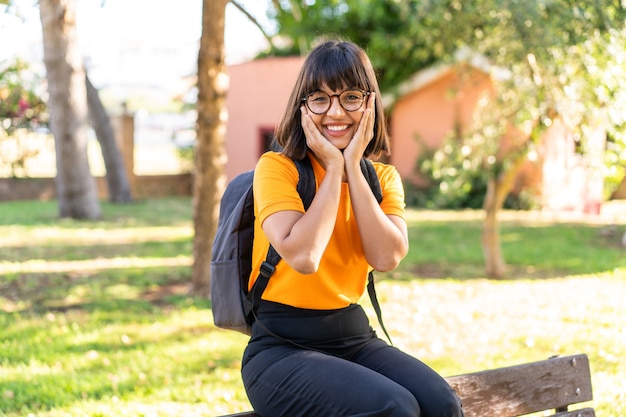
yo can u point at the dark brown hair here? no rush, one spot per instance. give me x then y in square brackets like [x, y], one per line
[338, 65]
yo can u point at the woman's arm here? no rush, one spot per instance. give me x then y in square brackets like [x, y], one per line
[384, 238]
[301, 238]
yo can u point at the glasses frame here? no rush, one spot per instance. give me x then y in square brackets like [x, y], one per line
[330, 101]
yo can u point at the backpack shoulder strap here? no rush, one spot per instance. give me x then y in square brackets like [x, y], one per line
[306, 181]
[372, 179]
[306, 189]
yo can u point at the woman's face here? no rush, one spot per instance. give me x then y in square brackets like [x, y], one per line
[337, 124]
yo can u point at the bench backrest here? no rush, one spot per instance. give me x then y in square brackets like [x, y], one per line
[551, 384]
[555, 383]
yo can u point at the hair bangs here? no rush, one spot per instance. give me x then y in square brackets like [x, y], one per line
[337, 69]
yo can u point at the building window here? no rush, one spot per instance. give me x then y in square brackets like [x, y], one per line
[267, 135]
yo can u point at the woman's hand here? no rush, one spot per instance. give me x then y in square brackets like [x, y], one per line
[363, 135]
[321, 147]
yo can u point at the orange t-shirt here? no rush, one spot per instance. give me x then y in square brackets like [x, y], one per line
[342, 275]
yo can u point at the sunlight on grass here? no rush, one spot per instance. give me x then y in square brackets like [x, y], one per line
[44, 236]
[91, 265]
[97, 320]
[123, 292]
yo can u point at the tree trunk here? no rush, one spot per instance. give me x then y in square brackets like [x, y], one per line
[210, 178]
[67, 103]
[498, 188]
[116, 176]
[492, 250]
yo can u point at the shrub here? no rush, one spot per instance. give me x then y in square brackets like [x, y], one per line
[457, 179]
[22, 110]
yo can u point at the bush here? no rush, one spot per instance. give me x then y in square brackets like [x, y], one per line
[20, 105]
[21, 110]
[457, 179]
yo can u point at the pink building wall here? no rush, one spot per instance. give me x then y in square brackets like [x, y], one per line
[256, 100]
[426, 114]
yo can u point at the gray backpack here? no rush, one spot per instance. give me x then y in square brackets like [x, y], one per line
[232, 304]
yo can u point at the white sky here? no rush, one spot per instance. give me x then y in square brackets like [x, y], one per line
[130, 41]
[136, 19]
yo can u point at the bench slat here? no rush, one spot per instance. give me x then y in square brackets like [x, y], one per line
[523, 389]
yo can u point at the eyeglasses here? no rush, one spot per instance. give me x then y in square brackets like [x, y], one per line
[318, 102]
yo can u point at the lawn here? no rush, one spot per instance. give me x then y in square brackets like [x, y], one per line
[96, 319]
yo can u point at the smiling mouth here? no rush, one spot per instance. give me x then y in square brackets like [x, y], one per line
[337, 128]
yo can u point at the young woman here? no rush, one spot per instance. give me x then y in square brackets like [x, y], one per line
[312, 351]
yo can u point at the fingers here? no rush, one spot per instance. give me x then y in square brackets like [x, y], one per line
[310, 130]
[371, 102]
[366, 126]
[364, 133]
[315, 140]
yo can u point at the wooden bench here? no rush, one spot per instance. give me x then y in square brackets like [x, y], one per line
[552, 384]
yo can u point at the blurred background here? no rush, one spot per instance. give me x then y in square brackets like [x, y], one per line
[142, 57]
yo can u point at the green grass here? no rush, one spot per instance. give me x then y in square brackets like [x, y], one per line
[96, 319]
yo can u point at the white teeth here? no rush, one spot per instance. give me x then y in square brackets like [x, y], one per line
[337, 128]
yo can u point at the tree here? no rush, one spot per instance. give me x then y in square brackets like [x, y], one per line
[76, 188]
[116, 176]
[210, 177]
[541, 71]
